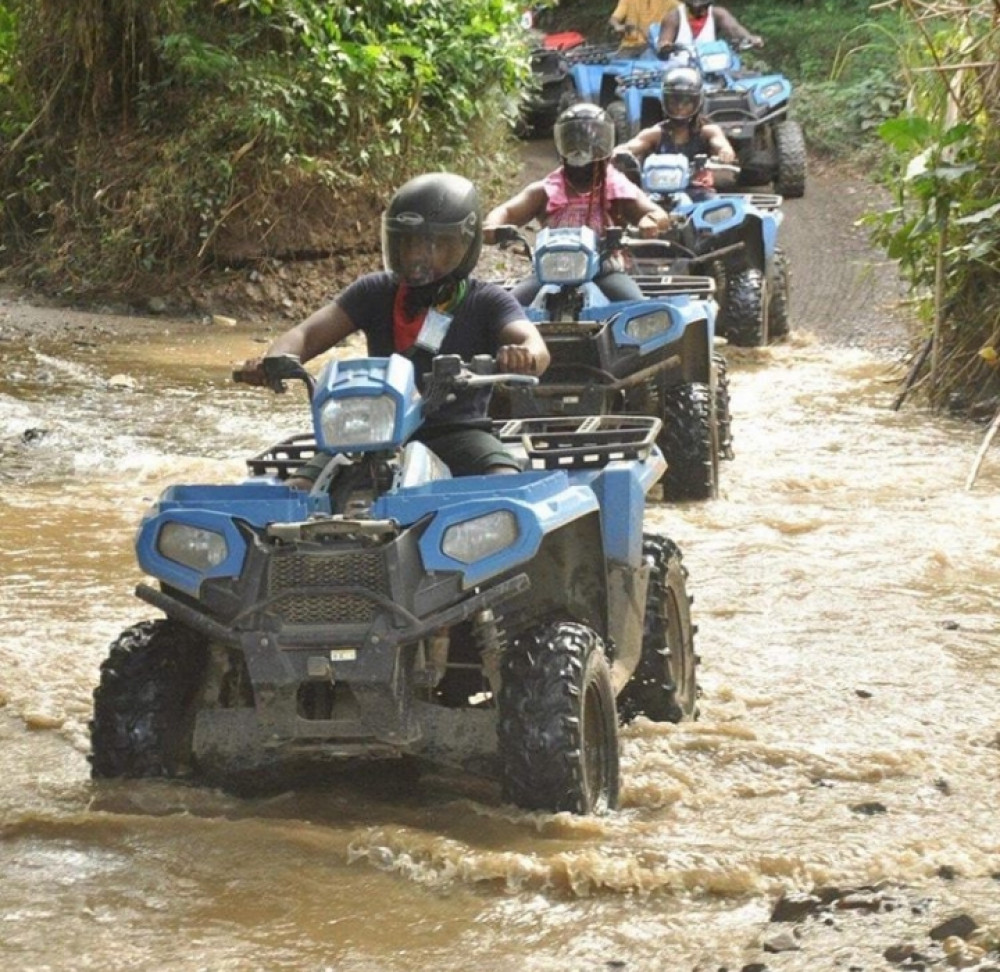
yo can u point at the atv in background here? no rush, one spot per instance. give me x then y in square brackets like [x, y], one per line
[654, 356]
[551, 88]
[751, 108]
[731, 236]
[494, 625]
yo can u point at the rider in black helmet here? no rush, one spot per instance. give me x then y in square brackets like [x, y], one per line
[425, 303]
[583, 191]
[683, 129]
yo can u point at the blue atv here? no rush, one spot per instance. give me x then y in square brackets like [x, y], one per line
[653, 356]
[500, 626]
[733, 237]
[751, 108]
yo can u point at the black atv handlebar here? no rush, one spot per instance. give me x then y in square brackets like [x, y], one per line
[277, 369]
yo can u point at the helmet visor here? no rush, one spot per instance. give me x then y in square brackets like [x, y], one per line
[582, 140]
[681, 104]
[421, 252]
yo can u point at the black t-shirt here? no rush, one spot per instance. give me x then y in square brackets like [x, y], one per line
[475, 329]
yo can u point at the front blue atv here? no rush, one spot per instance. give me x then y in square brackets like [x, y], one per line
[496, 625]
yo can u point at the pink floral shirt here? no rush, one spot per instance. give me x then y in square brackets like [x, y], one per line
[562, 209]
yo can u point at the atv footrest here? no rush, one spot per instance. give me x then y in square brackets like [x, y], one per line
[580, 442]
[283, 459]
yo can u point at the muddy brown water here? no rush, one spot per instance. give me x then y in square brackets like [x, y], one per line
[844, 587]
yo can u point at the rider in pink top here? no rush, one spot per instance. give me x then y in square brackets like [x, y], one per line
[584, 191]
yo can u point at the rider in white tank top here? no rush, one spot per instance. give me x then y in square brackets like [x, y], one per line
[686, 36]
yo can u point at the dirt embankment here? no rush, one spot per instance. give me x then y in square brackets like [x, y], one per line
[843, 290]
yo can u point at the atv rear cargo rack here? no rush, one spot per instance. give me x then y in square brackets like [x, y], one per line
[283, 459]
[579, 441]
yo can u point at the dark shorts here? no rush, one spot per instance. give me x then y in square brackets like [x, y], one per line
[465, 451]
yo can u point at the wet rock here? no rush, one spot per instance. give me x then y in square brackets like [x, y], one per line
[908, 955]
[958, 926]
[943, 786]
[754, 967]
[32, 436]
[795, 906]
[950, 625]
[782, 942]
[870, 808]
[947, 873]
[863, 693]
[156, 305]
[870, 902]
[121, 383]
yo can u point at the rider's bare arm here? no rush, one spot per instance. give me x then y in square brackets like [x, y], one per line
[733, 29]
[668, 28]
[527, 205]
[722, 148]
[319, 332]
[642, 144]
[523, 350]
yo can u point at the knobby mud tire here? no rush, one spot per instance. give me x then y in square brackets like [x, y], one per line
[743, 315]
[146, 700]
[664, 686]
[777, 314]
[557, 733]
[723, 409]
[689, 441]
[790, 144]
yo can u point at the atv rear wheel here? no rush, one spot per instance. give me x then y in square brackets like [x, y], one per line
[723, 413]
[689, 441]
[777, 313]
[557, 734]
[743, 315]
[790, 144]
[146, 700]
[664, 686]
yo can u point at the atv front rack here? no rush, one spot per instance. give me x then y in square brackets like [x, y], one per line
[579, 441]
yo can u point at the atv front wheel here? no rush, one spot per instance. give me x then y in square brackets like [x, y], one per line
[146, 700]
[790, 143]
[743, 315]
[689, 441]
[557, 733]
[664, 686]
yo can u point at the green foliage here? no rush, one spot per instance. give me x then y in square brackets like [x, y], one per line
[945, 178]
[223, 109]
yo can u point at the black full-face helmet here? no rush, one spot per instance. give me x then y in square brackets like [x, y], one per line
[583, 134]
[432, 230]
[682, 94]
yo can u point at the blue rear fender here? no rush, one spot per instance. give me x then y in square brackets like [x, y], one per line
[522, 508]
[209, 514]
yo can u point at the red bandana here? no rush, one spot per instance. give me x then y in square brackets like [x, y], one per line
[404, 327]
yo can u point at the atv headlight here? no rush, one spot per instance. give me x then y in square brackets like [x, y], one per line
[475, 539]
[192, 546]
[718, 214]
[359, 420]
[645, 326]
[562, 267]
[766, 92]
[665, 179]
[714, 63]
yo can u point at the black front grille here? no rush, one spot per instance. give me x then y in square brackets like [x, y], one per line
[309, 588]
